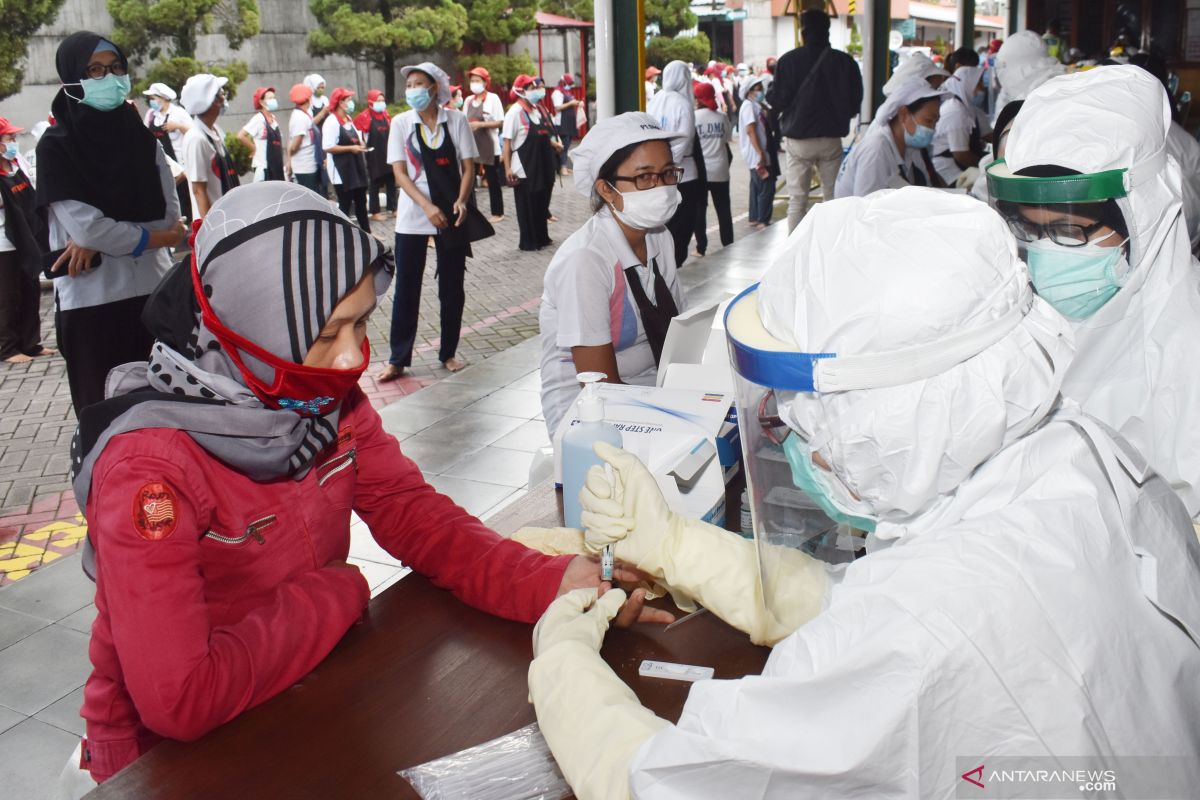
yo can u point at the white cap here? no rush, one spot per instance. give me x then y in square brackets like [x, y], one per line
[607, 137]
[437, 73]
[160, 90]
[199, 92]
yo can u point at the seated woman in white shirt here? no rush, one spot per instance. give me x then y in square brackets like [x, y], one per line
[611, 290]
[958, 143]
[894, 150]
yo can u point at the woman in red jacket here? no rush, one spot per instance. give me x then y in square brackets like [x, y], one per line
[219, 477]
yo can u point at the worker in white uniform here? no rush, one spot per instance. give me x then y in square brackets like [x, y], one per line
[1088, 186]
[894, 151]
[958, 142]
[1023, 572]
[611, 289]
[917, 66]
[1022, 65]
[673, 108]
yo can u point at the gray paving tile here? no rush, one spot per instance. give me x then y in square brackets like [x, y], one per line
[474, 496]
[43, 668]
[448, 396]
[8, 718]
[64, 714]
[52, 592]
[434, 455]
[494, 465]
[509, 403]
[528, 437]
[32, 755]
[489, 374]
[81, 620]
[15, 626]
[403, 418]
[530, 383]
[468, 429]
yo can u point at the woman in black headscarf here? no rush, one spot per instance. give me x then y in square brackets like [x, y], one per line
[113, 213]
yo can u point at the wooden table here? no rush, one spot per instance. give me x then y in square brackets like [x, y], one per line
[424, 676]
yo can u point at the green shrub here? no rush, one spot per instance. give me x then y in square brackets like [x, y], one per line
[174, 72]
[661, 50]
[239, 153]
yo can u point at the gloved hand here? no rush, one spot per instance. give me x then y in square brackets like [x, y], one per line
[717, 568]
[592, 721]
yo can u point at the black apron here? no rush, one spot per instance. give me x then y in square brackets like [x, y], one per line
[351, 167]
[274, 145]
[656, 319]
[566, 124]
[24, 225]
[222, 165]
[444, 174]
[537, 155]
[377, 137]
[163, 137]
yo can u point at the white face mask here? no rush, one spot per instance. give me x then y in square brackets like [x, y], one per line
[477, 88]
[649, 209]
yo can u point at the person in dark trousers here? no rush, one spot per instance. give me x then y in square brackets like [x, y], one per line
[22, 243]
[715, 133]
[432, 151]
[375, 125]
[565, 103]
[343, 144]
[674, 109]
[108, 192]
[485, 112]
[530, 161]
[816, 92]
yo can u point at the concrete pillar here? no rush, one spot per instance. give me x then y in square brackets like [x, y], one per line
[1018, 15]
[876, 24]
[606, 90]
[964, 25]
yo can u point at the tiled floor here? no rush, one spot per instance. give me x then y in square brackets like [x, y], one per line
[475, 436]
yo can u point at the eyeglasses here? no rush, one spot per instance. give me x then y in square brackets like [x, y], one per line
[649, 180]
[98, 71]
[1065, 234]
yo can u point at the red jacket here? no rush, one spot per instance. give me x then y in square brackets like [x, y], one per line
[212, 591]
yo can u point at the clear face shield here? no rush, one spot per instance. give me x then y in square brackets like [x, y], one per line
[789, 501]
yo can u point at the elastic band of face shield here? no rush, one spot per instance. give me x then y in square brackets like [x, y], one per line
[781, 367]
[1093, 188]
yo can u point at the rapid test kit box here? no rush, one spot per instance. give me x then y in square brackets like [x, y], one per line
[683, 436]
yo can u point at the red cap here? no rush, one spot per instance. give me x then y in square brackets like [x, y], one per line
[339, 94]
[652, 71]
[373, 95]
[567, 79]
[706, 95]
[994, 46]
[7, 127]
[259, 92]
[482, 73]
[300, 94]
[523, 81]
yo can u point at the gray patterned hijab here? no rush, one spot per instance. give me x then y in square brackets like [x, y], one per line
[274, 259]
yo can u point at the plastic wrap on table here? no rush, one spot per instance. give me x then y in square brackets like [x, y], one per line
[516, 766]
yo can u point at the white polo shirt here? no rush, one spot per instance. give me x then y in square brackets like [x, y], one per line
[304, 160]
[403, 147]
[200, 147]
[586, 301]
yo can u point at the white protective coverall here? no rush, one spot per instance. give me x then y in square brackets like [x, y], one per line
[1184, 148]
[1009, 615]
[1135, 367]
[675, 109]
[918, 66]
[1022, 65]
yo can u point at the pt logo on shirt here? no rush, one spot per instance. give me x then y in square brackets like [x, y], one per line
[154, 511]
[978, 776]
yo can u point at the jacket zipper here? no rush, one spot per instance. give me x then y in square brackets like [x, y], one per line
[337, 464]
[252, 531]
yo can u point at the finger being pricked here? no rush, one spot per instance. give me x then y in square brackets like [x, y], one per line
[635, 609]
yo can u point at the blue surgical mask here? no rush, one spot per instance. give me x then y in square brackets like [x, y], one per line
[418, 98]
[1077, 281]
[349, 106]
[10, 151]
[919, 139]
[272, 104]
[105, 94]
[155, 105]
[810, 479]
[535, 95]
[379, 106]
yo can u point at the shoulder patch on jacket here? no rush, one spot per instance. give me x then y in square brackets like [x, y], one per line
[154, 511]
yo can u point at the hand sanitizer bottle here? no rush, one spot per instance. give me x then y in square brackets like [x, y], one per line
[578, 455]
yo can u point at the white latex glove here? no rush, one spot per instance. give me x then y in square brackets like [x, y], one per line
[717, 568]
[592, 721]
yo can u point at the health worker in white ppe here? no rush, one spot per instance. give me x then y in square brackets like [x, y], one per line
[1088, 187]
[611, 290]
[1022, 65]
[894, 152]
[1019, 580]
[674, 109]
